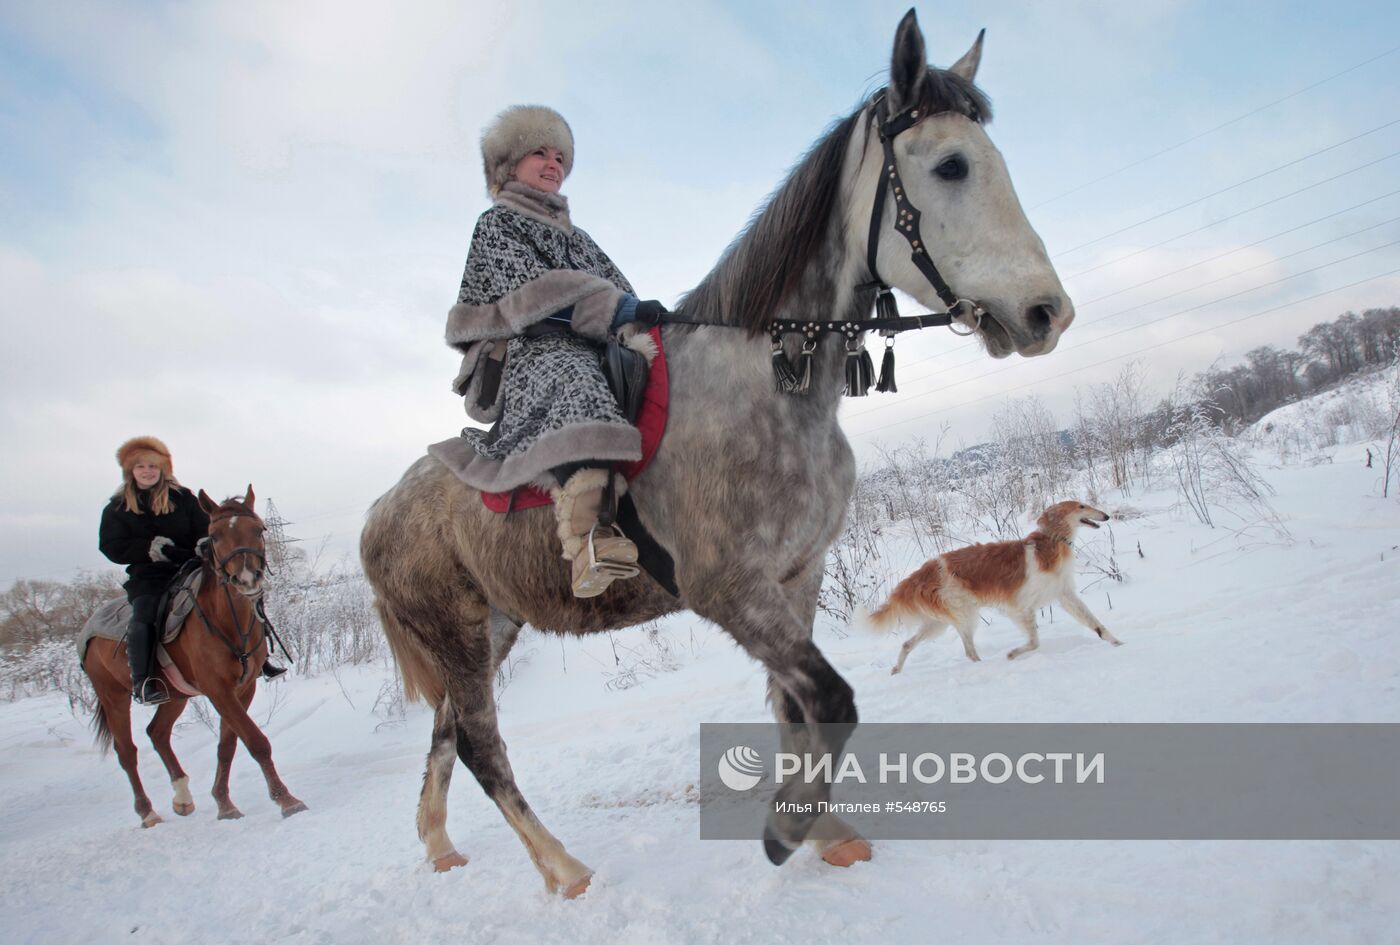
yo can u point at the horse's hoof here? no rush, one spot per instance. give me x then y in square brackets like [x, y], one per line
[233, 813]
[777, 851]
[184, 810]
[578, 887]
[296, 808]
[150, 820]
[847, 852]
[449, 861]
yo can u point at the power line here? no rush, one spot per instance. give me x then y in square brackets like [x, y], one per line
[1155, 321]
[1239, 272]
[1211, 131]
[943, 354]
[1231, 252]
[1129, 354]
[1258, 206]
[1223, 190]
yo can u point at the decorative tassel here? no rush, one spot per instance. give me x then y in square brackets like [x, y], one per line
[886, 383]
[804, 379]
[782, 371]
[853, 388]
[859, 370]
[885, 306]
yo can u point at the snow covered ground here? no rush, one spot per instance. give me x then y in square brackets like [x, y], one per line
[1217, 627]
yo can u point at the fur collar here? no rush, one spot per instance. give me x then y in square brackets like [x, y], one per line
[552, 209]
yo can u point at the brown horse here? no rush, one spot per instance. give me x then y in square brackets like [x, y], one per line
[219, 653]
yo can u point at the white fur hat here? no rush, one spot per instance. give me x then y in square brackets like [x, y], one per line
[515, 133]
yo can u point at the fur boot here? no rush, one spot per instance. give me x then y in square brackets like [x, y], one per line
[599, 555]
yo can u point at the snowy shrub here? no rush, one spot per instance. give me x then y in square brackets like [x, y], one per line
[49, 666]
[633, 665]
[327, 620]
[1214, 477]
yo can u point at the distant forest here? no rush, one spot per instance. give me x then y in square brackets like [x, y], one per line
[1327, 353]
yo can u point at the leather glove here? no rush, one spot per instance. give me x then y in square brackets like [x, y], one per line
[176, 555]
[649, 312]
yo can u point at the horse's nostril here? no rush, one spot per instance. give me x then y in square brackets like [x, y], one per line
[1039, 318]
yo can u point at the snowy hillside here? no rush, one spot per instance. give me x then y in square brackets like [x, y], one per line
[1361, 407]
[1217, 626]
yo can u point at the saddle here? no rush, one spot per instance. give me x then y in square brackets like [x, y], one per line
[626, 372]
[110, 619]
[642, 391]
[645, 386]
[177, 600]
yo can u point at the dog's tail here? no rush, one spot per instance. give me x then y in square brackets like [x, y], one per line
[882, 618]
[916, 594]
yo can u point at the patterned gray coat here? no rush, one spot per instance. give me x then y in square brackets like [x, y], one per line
[528, 262]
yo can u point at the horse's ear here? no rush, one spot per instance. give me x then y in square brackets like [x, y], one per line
[207, 504]
[967, 65]
[249, 498]
[908, 65]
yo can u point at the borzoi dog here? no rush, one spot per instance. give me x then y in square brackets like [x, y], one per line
[1016, 577]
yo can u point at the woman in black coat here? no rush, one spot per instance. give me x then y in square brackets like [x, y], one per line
[152, 525]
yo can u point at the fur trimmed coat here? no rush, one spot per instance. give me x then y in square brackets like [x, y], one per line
[544, 394]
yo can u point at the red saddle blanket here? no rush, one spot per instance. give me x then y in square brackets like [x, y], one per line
[651, 421]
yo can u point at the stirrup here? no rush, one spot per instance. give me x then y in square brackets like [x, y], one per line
[150, 691]
[604, 558]
[271, 670]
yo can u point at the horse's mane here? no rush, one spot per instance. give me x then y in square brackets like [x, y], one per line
[764, 265]
[234, 505]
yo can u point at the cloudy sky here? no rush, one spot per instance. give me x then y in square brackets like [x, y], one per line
[238, 226]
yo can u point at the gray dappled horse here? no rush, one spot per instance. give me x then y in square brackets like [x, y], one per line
[750, 485]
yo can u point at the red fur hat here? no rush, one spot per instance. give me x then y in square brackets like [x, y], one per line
[145, 449]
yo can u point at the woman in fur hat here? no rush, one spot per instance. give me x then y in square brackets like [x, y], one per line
[538, 298]
[152, 525]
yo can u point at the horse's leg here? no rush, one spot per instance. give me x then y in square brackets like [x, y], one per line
[233, 707]
[468, 670]
[432, 802]
[442, 757]
[837, 841]
[116, 705]
[503, 634]
[228, 744]
[159, 732]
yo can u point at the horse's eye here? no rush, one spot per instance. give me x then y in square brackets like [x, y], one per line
[952, 168]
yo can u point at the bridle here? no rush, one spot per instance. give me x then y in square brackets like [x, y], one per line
[907, 222]
[246, 645]
[887, 321]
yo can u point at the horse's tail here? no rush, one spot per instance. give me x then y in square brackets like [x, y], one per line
[421, 678]
[101, 731]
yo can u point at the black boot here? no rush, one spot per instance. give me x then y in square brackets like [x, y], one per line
[140, 648]
[271, 671]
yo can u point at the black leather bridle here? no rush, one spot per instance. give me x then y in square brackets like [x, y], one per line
[887, 320]
[906, 222]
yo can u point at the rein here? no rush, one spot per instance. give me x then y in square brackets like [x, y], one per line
[887, 321]
[243, 650]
